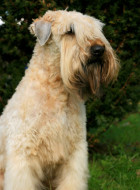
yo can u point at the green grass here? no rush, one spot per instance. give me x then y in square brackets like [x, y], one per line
[118, 168]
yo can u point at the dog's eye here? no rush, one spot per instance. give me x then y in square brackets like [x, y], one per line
[70, 32]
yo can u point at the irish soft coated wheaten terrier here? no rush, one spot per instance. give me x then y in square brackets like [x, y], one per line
[43, 127]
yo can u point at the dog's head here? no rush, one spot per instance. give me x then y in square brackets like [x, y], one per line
[86, 58]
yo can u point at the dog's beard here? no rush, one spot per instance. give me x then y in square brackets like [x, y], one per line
[94, 77]
[87, 79]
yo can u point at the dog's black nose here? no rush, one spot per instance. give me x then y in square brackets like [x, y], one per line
[97, 50]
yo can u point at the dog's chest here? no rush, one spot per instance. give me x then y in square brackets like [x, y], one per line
[59, 132]
[50, 130]
[49, 122]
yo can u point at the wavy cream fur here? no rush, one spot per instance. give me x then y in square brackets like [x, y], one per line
[43, 127]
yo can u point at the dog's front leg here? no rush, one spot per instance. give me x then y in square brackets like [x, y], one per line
[22, 173]
[74, 173]
[1, 179]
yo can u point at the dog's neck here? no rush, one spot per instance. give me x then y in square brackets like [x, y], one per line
[46, 56]
[45, 70]
[44, 62]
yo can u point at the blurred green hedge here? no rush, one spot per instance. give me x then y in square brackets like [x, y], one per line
[122, 30]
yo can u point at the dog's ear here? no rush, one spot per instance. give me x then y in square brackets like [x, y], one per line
[42, 30]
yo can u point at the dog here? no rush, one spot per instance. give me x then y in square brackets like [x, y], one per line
[43, 127]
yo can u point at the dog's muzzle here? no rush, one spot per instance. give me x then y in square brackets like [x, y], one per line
[96, 53]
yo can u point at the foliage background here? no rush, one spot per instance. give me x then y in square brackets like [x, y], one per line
[122, 30]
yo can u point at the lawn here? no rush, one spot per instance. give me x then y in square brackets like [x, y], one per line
[118, 167]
